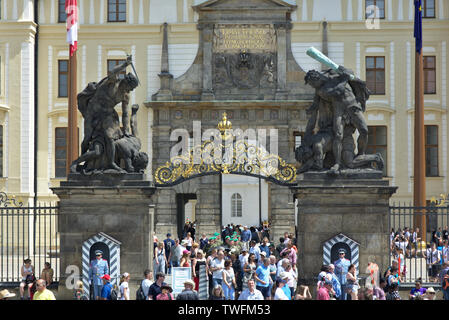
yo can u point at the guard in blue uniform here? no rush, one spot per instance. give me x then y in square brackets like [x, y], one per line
[98, 268]
[341, 269]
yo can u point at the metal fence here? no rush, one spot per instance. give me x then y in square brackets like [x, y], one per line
[27, 232]
[413, 259]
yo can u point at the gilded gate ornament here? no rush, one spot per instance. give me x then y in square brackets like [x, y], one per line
[226, 156]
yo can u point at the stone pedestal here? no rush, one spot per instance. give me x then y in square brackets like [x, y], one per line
[118, 205]
[355, 204]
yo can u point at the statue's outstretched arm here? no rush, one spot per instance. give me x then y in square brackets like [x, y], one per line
[112, 75]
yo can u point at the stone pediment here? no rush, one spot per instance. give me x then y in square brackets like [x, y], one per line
[248, 4]
[244, 53]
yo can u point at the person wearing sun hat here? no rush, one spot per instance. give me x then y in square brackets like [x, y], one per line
[166, 293]
[188, 293]
[5, 294]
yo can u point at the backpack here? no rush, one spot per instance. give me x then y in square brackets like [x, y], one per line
[140, 295]
[114, 295]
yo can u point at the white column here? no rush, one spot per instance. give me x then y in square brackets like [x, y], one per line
[304, 10]
[91, 13]
[411, 10]
[148, 73]
[131, 12]
[52, 12]
[349, 11]
[141, 12]
[400, 10]
[409, 75]
[41, 12]
[50, 149]
[50, 78]
[99, 62]
[14, 10]
[441, 9]
[185, 12]
[83, 67]
[444, 143]
[409, 116]
[392, 77]
[410, 133]
[444, 106]
[389, 9]
[27, 13]
[6, 146]
[444, 74]
[360, 10]
[7, 73]
[26, 117]
[358, 61]
[393, 149]
[5, 10]
[101, 11]
[81, 11]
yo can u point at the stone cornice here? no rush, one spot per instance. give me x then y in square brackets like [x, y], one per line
[14, 28]
[231, 104]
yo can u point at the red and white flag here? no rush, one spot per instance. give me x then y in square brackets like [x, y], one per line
[71, 9]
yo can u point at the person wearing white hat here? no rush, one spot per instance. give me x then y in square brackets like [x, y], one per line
[5, 294]
[188, 293]
[124, 286]
[430, 294]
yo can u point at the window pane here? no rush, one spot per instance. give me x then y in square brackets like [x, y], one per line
[429, 62]
[432, 135]
[63, 66]
[380, 63]
[370, 62]
[381, 136]
[380, 4]
[380, 76]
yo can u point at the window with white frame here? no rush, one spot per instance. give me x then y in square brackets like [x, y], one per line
[236, 205]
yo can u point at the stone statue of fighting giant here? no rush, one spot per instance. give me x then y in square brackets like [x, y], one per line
[105, 143]
[337, 110]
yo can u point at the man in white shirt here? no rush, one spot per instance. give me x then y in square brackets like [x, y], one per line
[254, 249]
[217, 266]
[243, 257]
[282, 265]
[251, 293]
[147, 282]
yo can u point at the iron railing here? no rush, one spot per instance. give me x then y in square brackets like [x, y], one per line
[404, 216]
[27, 232]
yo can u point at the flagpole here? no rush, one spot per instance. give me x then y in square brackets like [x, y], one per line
[72, 132]
[71, 8]
[419, 186]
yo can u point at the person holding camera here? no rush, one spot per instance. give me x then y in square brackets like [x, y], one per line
[418, 290]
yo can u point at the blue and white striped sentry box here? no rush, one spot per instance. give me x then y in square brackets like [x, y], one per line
[114, 258]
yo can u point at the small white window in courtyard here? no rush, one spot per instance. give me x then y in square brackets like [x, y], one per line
[236, 205]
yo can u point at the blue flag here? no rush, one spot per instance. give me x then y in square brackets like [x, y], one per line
[418, 25]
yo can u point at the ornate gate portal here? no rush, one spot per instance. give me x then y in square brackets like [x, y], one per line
[228, 153]
[244, 68]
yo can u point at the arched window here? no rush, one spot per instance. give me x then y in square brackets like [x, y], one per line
[236, 205]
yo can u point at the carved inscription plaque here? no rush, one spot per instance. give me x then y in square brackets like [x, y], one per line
[244, 57]
[254, 37]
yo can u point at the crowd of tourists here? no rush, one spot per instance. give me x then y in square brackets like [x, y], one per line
[241, 263]
[245, 263]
